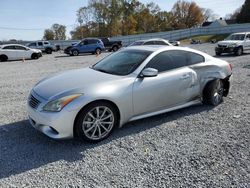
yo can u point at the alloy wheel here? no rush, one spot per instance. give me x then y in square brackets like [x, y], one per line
[98, 123]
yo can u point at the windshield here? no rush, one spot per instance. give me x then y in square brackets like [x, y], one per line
[122, 63]
[236, 37]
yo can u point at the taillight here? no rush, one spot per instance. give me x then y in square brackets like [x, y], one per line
[230, 66]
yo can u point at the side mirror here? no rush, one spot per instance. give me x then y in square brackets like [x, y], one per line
[149, 72]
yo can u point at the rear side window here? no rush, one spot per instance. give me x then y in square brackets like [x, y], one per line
[92, 41]
[149, 43]
[160, 43]
[46, 43]
[169, 60]
[20, 48]
[40, 43]
[194, 58]
[9, 47]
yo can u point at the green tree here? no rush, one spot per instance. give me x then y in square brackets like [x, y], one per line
[244, 14]
[59, 31]
[186, 15]
[48, 34]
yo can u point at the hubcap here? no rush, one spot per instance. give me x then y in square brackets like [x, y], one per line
[218, 93]
[98, 122]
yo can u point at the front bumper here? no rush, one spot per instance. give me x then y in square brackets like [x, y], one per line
[225, 49]
[56, 125]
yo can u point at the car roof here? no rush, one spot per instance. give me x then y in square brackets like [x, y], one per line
[153, 39]
[3, 45]
[155, 48]
[241, 33]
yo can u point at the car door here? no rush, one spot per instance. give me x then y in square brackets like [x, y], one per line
[247, 42]
[40, 46]
[22, 52]
[83, 46]
[171, 87]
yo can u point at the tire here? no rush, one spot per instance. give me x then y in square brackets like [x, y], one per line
[34, 56]
[93, 123]
[3, 58]
[115, 48]
[75, 53]
[98, 51]
[218, 53]
[213, 92]
[48, 51]
[239, 51]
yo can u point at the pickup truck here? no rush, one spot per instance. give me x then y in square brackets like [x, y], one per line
[44, 46]
[236, 43]
[111, 45]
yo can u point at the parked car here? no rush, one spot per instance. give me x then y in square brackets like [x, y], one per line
[195, 41]
[111, 45]
[130, 84]
[44, 46]
[154, 41]
[88, 45]
[236, 43]
[17, 52]
[175, 42]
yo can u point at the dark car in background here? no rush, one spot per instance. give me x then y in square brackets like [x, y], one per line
[88, 45]
[111, 45]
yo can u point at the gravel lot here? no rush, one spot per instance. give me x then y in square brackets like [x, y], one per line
[200, 146]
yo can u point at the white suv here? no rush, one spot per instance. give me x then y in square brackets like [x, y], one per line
[17, 52]
[236, 43]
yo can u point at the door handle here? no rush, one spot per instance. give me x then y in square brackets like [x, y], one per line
[185, 76]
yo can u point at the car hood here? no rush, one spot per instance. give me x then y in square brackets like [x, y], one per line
[230, 42]
[74, 81]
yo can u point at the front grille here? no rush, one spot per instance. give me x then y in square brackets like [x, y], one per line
[33, 102]
[222, 46]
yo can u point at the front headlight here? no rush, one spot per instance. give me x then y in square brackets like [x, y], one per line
[59, 104]
[232, 45]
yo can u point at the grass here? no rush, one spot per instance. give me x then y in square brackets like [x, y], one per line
[205, 38]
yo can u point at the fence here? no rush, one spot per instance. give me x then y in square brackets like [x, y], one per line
[169, 35]
[185, 33]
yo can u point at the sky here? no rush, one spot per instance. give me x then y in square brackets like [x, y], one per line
[33, 16]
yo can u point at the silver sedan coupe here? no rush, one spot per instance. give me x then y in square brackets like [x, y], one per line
[134, 83]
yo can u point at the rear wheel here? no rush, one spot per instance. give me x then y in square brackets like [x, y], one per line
[96, 121]
[98, 51]
[3, 58]
[115, 48]
[48, 51]
[213, 92]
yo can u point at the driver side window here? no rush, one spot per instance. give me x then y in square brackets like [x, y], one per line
[248, 37]
[168, 60]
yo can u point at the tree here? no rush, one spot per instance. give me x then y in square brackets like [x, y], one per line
[209, 15]
[48, 34]
[244, 14]
[186, 15]
[59, 31]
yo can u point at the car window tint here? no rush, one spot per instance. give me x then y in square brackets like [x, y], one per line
[40, 43]
[32, 44]
[20, 48]
[149, 43]
[9, 47]
[46, 43]
[194, 58]
[92, 41]
[168, 60]
[160, 43]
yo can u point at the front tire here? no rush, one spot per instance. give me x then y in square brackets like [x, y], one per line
[34, 56]
[96, 121]
[217, 53]
[115, 48]
[239, 51]
[213, 92]
[98, 51]
[75, 53]
[48, 51]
